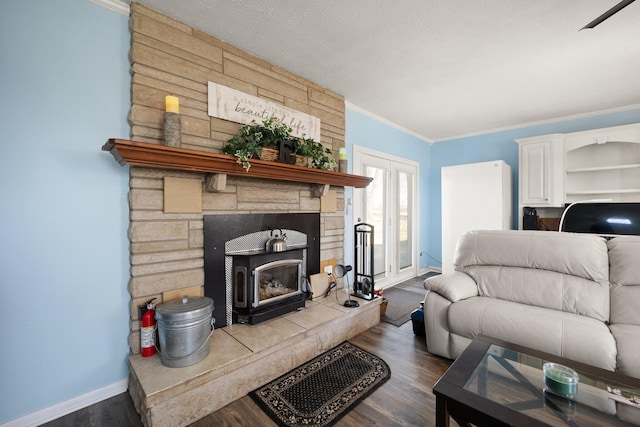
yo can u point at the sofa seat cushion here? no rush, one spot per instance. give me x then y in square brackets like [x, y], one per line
[569, 335]
[628, 339]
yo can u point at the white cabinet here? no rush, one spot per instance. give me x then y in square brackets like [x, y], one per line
[540, 182]
[559, 169]
[603, 165]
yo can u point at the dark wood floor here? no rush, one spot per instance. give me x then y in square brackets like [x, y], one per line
[404, 400]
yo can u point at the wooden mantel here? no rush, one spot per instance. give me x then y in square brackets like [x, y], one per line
[137, 153]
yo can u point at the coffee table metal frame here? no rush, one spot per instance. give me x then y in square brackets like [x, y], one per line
[470, 409]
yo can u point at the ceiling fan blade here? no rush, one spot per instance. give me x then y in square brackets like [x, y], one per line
[608, 14]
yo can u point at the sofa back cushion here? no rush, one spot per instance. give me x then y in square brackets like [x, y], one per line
[562, 271]
[624, 265]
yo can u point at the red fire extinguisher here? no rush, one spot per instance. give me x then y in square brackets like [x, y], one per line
[148, 330]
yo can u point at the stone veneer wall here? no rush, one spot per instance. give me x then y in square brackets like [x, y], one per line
[170, 58]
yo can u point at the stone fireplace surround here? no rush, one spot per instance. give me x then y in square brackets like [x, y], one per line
[168, 57]
[167, 254]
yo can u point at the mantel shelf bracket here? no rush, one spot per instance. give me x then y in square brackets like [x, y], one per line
[319, 190]
[215, 182]
[151, 155]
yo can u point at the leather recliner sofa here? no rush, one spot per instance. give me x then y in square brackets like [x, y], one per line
[573, 295]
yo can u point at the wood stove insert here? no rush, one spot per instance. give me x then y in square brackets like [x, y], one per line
[267, 285]
[218, 259]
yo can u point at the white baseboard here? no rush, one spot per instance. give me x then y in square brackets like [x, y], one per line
[429, 270]
[61, 409]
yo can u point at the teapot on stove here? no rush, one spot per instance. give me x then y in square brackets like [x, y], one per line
[277, 243]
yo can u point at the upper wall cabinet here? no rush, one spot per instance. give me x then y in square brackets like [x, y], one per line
[540, 182]
[595, 165]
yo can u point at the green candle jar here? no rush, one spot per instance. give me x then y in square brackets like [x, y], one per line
[560, 380]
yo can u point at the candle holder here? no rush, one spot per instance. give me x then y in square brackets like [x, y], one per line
[343, 166]
[172, 130]
[342, 160]
[560, 380]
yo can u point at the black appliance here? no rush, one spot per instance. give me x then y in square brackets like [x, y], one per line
[266, 285]
[219, 229]
[605, 219]
[529, 218]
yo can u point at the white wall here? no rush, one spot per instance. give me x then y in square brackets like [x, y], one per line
[64, 89]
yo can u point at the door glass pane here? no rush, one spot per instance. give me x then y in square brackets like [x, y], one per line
[374, 214]
[405, 220]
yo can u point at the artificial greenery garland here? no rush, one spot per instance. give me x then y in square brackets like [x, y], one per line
[271, 133]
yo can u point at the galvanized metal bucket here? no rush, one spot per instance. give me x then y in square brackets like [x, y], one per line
[184, 328]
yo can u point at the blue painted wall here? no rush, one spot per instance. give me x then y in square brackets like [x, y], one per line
[63, 214]
[64, 308]
[368, 132]
[497, 146]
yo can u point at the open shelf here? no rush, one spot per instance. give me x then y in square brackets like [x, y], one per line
[604, 168]
[607, 191]
[608, 170]
[146, 154]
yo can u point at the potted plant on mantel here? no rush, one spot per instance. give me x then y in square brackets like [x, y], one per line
[257, 140]
[313, 154]
[265, 140]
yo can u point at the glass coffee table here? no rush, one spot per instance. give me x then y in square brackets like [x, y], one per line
[495, 383]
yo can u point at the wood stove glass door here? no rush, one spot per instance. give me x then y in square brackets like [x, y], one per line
[276, 281]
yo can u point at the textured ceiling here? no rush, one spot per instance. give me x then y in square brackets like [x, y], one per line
[441, 68]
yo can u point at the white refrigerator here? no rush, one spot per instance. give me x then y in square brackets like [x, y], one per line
[475, 196]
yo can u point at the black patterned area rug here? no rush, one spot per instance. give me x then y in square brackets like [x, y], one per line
[323, 390]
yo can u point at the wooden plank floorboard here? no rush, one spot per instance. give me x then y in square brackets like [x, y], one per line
[115, 411]
[404, 400]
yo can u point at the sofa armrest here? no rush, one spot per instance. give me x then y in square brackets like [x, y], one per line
[454, 286]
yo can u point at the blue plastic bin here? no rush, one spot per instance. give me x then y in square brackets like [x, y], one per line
[417, 318]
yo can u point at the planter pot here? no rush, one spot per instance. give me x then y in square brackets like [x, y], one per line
[302, 161]
[270, 154]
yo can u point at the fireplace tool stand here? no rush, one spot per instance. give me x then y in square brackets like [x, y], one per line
[363, 257]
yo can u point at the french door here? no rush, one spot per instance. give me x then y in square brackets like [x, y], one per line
[389, 203]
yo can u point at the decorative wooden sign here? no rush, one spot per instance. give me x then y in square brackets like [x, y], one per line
[230, 104]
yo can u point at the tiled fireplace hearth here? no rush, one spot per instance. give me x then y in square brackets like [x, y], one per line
[242, 358]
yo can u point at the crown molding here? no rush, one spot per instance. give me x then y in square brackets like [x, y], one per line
[120, 6]
[494, 130]
[542, 122]
[387, 122]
